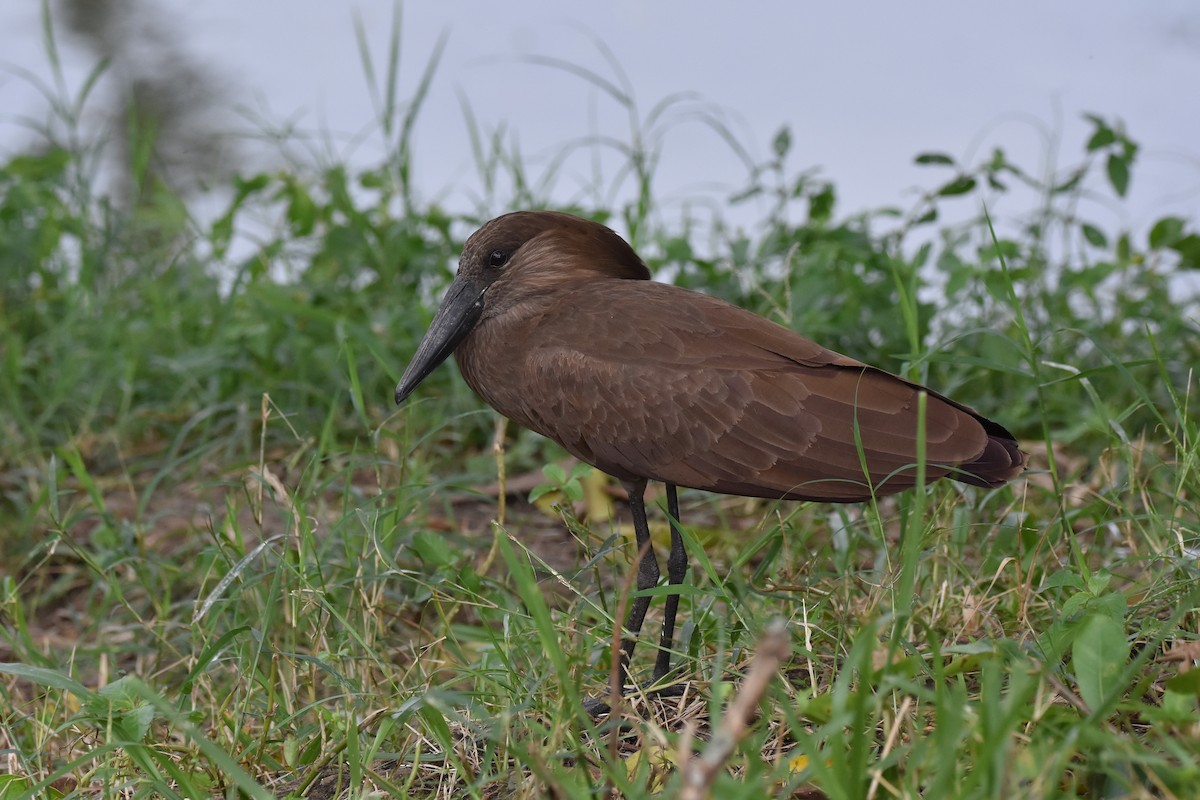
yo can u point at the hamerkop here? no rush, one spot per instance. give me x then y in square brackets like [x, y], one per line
[555, 323]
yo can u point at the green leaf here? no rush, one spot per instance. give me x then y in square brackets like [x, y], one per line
[1073, 180]
[678, 249]
[1129, 149]
[16, 786]
[1001, 248]
[12, 786]
[1098, 655]
[291, 751]
[1062, 578]
[373, 179]
[1110, 604]
[435, 718]
[1094, 236]
[1118, 174]
[244, 187]
[1055, 640]
[1075, 604]
[935, 158]
[555, 474]
[820, 205]
[929, 216]
[1189, 251]
[1103, 137]
[46, 677]
[1186, 682]
[133, 724]
[1175, 707]
[301, 209]
[433, 549]
[818, 709]
[782, 142]
[960, 185]
[221, 233]
[1098, 581]
[1124, 249]
[121, 693]
[1166, 232]
[42, 167]
[541, 490]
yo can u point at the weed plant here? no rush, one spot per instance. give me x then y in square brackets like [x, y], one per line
[229, 566]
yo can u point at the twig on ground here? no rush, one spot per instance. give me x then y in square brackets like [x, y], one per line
[501, 473]
[700, 771]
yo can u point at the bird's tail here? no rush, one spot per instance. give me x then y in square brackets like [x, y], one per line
[1000, 461]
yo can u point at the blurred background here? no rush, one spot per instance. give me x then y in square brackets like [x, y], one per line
[224, 227]
[863, 88]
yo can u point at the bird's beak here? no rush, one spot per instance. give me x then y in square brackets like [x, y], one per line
[457, 315]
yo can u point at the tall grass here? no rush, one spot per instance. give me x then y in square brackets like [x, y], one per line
[229, 566]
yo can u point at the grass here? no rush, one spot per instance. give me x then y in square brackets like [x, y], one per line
[229, 566]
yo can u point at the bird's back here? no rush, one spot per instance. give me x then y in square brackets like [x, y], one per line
[647, 380]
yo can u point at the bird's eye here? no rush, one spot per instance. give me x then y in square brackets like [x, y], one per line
[497, 258]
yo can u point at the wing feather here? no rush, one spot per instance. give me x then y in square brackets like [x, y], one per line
[687, 389]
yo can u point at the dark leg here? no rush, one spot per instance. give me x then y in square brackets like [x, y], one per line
[647, 574]
[677, 564]
[647, 578]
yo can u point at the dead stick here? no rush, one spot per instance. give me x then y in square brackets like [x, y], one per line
[700, 771]
[501, 474]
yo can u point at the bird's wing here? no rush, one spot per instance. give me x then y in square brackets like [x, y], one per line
[688, 389]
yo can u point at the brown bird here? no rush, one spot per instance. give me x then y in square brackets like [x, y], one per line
[555, 323]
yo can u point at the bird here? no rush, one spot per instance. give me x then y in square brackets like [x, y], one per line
[555, 323]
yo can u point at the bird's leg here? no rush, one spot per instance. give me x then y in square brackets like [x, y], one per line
[677, 565]
[647, 578]
[647, 573]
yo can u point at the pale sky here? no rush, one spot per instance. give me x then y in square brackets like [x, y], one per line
[863, 86]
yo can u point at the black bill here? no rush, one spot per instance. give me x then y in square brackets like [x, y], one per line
[457, 315]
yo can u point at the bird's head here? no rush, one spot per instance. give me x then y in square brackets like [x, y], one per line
[511, 257]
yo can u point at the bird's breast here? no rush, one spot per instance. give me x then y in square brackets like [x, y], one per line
[492, 360]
